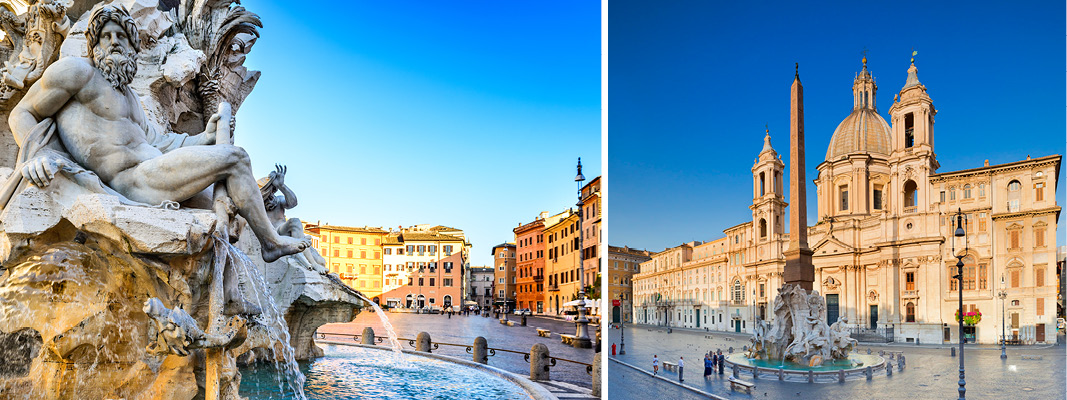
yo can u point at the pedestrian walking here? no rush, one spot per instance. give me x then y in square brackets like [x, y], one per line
[613, 349]
[708, 365]
[681, 367]
[655, 364]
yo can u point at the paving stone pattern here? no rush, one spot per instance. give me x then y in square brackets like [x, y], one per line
[1030, 372]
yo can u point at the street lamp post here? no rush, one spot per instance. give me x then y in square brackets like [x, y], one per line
[505, 257]
[959, 269]
[1003, 294]
[581, 339]
[622, 340]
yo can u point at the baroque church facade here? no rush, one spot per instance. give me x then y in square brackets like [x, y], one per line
[884, 248]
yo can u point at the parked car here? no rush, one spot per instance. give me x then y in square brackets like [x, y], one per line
[522, 311]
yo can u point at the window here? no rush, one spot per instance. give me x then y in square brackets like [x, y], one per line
[843, 196]
[411, 249]
[349, 240]
[446, 282]
[969, 270]
[420, 281]
[909, 130]
[1039, 277]
[877, 197]
[1014, 186]
[762, 180]
[422, 249]
[953, 283]
[350, 254]
[981, 190]
[431, 281]
[324, 239]
[952, 193]
[377, 242]
[966, 191]
[362, 241]
[448, 250]
[762, 228]
[910, 312]
[1040, 306]
[377, 270]
[362, 254]
[942, 196]
[362, 269]
[1015, 278]
[1039, 236]
[336, 253]
[349, 268]
[362, 284]
[388, 251]
[738, 291]
[1013, 239]
[501, 281]
[433, 250]
[983, 282]
[377, 255]
[909, 279]
[981, 222]
[911, 198]
[1039, 191]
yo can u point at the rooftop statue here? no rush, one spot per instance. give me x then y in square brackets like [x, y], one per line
[99, 125]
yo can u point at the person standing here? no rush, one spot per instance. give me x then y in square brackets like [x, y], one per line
[722, 362]
[681, 367]
[655, 364]
[708, 365]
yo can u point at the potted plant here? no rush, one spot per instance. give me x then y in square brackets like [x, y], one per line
[970, 318]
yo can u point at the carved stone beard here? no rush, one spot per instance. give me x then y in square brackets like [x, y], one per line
[118, 68]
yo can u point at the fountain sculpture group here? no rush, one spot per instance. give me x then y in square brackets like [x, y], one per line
[799, 333]
[123, 266]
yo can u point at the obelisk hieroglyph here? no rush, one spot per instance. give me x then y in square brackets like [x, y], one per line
[798, 268]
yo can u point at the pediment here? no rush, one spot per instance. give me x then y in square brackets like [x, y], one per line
[830, 245]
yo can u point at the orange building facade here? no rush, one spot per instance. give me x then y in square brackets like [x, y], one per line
[530, 262]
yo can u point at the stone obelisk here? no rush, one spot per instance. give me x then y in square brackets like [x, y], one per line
[798, 268]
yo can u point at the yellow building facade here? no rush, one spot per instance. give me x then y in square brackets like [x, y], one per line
[354, 253]
[561, 262]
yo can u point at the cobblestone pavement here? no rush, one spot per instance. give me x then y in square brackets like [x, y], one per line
[1030, 372]
[463, 330]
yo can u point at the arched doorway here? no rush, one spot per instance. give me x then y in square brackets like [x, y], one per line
[448, 301]
[616, 314]
[420, 301]
[407, 301]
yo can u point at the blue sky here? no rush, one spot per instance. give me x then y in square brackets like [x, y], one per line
[692, 83]
[393, 113]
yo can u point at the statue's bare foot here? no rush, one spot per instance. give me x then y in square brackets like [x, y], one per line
[284, 247]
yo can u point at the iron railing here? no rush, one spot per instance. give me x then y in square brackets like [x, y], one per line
[469, 348]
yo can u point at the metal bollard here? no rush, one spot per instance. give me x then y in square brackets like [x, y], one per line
[841, 376]
[735, 371]
[869, 372]
[539, 362]
[781, 373]
[524, 320]
[596, 375]
[368, 336]
[900, 365]
[481, 350]
[422, 342]
[755, 373]
[953, 351]
[868, 351]
[811, 376]
[888, 369]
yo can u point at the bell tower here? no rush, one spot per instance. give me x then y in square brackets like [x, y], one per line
[768, 201]
[912, 159]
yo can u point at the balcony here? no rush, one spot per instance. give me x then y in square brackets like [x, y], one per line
[553, 288]
[539, 278]
[910, 209]
[910, 294]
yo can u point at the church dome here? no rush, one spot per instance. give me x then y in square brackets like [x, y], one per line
[862, 131]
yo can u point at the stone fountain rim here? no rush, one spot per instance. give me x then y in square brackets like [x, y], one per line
[535, 391]
[804, 373]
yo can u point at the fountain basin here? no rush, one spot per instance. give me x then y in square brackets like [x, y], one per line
[854, 366]
[354, 371]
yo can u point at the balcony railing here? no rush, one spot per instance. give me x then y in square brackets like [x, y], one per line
[910, 209]
[553, 288]
[539, 278]
[910, 294]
